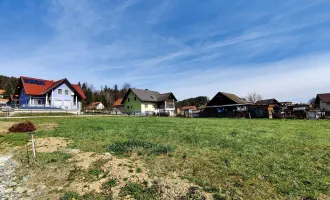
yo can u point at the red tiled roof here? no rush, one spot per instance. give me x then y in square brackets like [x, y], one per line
[188, 108]
[118, 102]
[93, 105]
[79, 90]
[4, 100]
[34, 89]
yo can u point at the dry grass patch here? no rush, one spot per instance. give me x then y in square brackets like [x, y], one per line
[47, 126]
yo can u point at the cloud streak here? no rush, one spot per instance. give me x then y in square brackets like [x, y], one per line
[189, 48]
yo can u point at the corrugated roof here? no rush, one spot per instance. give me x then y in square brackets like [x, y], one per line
[325, 98]
[118, 102]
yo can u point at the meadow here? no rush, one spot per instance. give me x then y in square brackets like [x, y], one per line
[249, 159]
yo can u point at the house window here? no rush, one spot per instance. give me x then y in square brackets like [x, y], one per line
[59, 91]
[145, 105]
[128, 99]
[131, 107]
[66, 92]
[134, 98]
[127, 107]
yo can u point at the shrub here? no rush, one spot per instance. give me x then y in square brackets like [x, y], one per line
[69, 196]
[148, 147]
[193, 193]
[23, 127]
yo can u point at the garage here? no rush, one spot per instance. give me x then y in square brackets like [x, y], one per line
[58, 103]
[67, 103]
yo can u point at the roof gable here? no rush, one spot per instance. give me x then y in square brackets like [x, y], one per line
[35, 86]
[325, 98]
[118, 102]
[268, 102]
[223, 98]
[188, 108]
[149, 95]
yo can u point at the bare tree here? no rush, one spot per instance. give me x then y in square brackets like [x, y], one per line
[253, 97]
[312, 101]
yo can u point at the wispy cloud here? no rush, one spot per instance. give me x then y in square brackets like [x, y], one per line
[191, 48]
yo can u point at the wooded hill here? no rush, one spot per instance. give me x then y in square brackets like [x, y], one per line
[197, 101]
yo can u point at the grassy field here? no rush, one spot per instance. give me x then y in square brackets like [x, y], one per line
[252, 159]
[28, 114]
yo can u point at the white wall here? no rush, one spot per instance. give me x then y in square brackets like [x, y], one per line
[150, 106]
[100, 106]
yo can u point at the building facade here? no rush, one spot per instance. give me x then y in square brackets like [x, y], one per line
[39, 93]
[147, 102]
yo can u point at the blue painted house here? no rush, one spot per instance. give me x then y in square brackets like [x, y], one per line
[40, 93]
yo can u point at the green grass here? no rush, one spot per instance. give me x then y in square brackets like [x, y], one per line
[3, 114]
[54, 157]
[253, 159]
[140, 192]
[30, 114]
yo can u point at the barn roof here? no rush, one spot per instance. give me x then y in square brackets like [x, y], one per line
[267, 102]
[325, 98]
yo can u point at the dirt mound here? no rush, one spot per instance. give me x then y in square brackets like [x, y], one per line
[23, 127]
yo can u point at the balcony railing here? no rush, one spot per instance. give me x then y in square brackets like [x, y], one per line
[170, 105]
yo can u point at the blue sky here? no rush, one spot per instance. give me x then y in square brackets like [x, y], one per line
[277, 48]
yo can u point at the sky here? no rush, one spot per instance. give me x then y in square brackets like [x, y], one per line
[279, 49]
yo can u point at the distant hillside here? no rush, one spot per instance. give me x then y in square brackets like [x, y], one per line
[8, 84]
[197, 101]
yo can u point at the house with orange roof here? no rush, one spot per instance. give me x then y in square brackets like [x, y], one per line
[118, 106]
[35, 93]
[3, 102]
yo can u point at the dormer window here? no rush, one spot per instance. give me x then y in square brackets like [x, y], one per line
[59, 91]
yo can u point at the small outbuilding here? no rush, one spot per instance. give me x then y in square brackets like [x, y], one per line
[95, 106]
[187, 111]
[322, 102]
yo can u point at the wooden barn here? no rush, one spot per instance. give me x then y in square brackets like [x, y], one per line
[226, 105]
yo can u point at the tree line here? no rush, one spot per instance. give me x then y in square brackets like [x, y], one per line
[106, 95]
[8, 84]
[197, 101]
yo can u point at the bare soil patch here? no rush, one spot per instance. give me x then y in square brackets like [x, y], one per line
[51, 144]
[53, 178]
[126, 170]
[4, 126]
